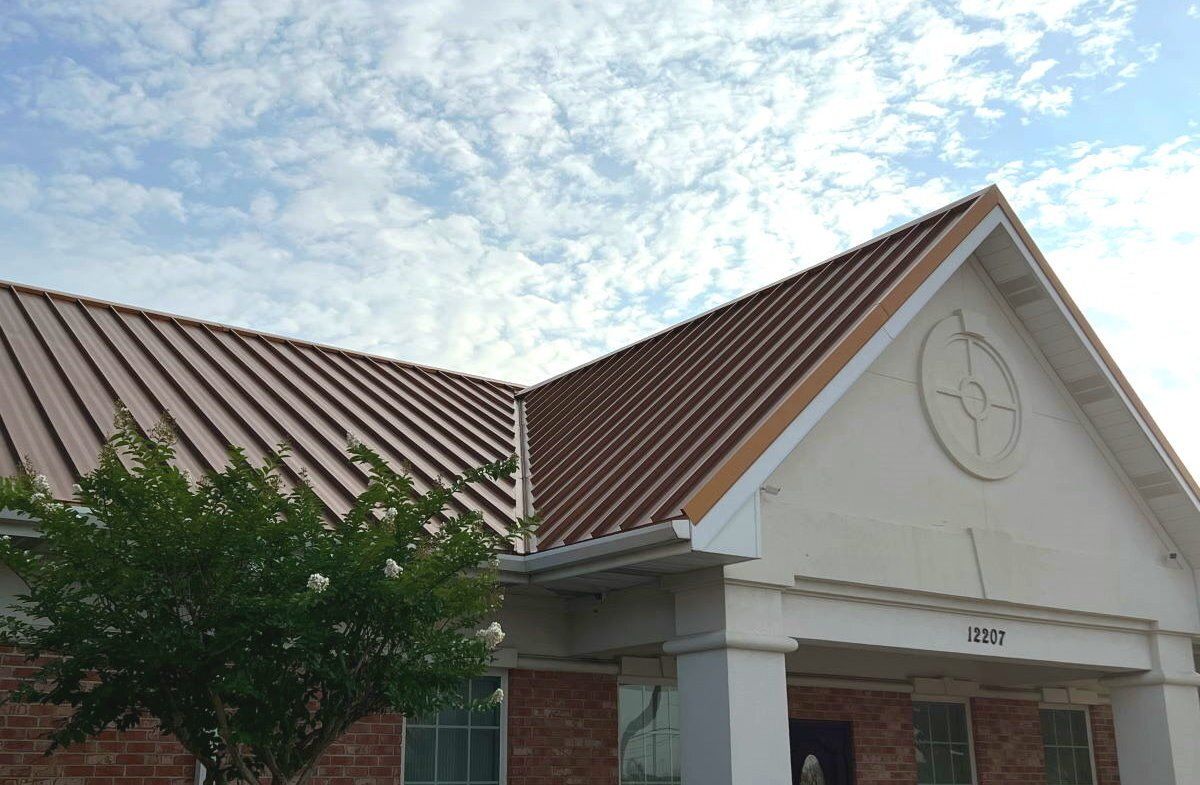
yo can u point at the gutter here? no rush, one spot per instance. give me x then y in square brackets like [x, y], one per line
[611, 552]
[669, 538]
[15, 524]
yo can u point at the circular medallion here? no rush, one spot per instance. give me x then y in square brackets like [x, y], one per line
[971, 397]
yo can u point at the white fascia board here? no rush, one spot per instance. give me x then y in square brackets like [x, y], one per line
[623, 544]
[747, 486]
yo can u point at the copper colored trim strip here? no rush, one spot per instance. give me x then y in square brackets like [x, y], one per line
[728, 472]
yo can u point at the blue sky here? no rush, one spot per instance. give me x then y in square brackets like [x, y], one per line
[512, 188]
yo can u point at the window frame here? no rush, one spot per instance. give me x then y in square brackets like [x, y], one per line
[965, 702]
[641, 681]
[1087, 724]
[502, 673]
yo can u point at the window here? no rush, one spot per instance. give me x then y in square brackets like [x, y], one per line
[649, 740]
[456, 746]
[1068, 750]
[943, 743]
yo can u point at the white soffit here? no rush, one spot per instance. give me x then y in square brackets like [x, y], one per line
[1087, 379]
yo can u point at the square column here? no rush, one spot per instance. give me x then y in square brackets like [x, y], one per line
[1157, 718]
[732, 688]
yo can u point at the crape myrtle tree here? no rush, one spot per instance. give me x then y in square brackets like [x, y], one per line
[235, 614]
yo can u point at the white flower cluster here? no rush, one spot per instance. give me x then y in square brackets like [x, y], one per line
[352, 441]
[318, 582]
[491, 635]
[497, 697]
[41, 488]
[391, 569]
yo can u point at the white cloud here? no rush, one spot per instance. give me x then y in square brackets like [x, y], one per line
[509, 188]
[1119, 225]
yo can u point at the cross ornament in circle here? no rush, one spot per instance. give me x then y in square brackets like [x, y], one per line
[973, 395]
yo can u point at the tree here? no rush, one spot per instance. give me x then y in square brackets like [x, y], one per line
[236, 614]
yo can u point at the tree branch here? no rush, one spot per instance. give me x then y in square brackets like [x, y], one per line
[227, 737]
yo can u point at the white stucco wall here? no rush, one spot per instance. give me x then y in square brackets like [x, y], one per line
[871, 497]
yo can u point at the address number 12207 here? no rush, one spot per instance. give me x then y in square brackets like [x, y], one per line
[992, 636]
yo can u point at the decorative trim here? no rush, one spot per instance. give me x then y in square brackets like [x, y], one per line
[1153, 678]
[957, 391]
[729, 639]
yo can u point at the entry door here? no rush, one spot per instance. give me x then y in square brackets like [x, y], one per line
[821, 753]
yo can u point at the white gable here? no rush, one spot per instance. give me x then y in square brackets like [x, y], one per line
[883, 489]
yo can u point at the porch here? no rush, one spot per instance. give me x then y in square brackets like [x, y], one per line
[722, 682]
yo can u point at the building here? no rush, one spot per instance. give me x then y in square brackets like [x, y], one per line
[897, 518]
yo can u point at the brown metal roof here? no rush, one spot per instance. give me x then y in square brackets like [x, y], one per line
[662, 428]
[656, 430]
[64, 360]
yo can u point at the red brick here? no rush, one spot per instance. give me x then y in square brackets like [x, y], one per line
[142, 756]
[562, 728]
[1008, 742]
[1104, 745]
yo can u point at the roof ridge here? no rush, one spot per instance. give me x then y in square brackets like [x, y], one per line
[247, 331]
[728, 303]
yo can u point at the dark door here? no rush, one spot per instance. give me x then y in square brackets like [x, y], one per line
[821, 753]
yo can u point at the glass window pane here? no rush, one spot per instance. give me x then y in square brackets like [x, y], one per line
[419, 754]
[1066, 765]
[924, 763]
[1053, 777]
[1083, 766]
[943, 768]
[455, 716]
[962, 764]
[1062, 727]
[649, 735]
[957, 716]
[1047, 727]
[921, 722]
[1068, 749]
[452, 755]
[943, 743]
[482, 689]
[939, 724]
[485, 756]
[1079, 735]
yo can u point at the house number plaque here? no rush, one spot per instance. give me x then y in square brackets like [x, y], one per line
[987, 636]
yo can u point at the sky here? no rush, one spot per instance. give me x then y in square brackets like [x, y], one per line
[513, 188]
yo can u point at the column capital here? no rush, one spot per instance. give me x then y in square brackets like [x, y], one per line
[730, 639]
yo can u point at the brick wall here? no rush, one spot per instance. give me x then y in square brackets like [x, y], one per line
[370, 754]
[562, 728]
[882, 729]
[1008, 742]
[1104, 745]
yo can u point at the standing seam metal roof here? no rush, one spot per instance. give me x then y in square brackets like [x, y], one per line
[626, 440]
[654, 431]
[65, 360]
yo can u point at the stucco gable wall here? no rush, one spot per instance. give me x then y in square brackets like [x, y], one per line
[870, 496]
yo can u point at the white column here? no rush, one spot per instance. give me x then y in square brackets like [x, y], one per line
[732, 687]
[1157, 718]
